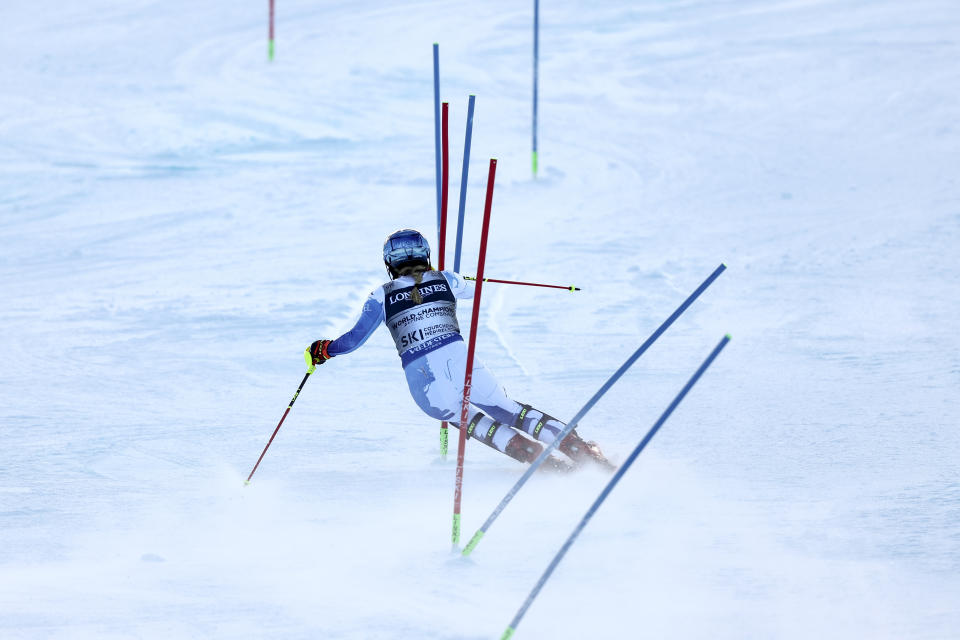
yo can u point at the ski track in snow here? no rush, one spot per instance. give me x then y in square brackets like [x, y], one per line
[179, 219]
[493, 323]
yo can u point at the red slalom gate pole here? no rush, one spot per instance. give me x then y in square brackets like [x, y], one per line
[270, 37]
[527, 284]
[444, 194]
[471, 345]
[444, 182]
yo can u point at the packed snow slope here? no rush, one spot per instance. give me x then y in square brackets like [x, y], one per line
[180, 218]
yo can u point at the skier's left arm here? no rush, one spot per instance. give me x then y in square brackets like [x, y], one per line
[370, 318]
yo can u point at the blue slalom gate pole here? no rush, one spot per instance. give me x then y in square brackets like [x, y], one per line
[463, 183]
[547, 450]
[436, 120]
[610, 485]
[536, 66]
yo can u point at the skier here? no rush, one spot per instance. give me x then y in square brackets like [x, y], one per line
[419, 306]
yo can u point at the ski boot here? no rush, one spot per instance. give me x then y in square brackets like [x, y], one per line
[578, 450]
[524, 450]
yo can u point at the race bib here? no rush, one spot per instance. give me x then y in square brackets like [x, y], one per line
[420, 328]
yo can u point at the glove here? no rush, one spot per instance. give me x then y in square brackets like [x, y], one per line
[317, 352]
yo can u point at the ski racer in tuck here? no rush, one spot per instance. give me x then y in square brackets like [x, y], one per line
[419, 307]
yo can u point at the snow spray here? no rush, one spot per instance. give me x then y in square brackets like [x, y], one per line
[610, 485]
[547, 450]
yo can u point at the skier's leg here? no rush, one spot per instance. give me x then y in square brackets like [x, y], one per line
[487, 430]
[436, 381]
[435, 396]
[492, 398]
[434, 385]
[507, 440]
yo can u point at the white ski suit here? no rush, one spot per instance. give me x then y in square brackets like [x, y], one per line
[434, 357]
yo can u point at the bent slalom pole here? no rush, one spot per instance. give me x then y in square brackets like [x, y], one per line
[310, 369]
[547, 450]
[527, 284]
[471, 345]
[610, 485]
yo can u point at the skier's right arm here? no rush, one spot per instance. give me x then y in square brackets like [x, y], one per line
[461, 288]
[370, 319]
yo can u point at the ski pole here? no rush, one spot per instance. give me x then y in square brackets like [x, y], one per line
[311, 368]
[471, 345]
[610, 485]
[547, 450]
[527, 284]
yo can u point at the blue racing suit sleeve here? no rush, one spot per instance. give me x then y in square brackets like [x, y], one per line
[370, 319]
[461, 288]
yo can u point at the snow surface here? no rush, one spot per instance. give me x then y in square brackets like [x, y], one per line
[179, 218]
